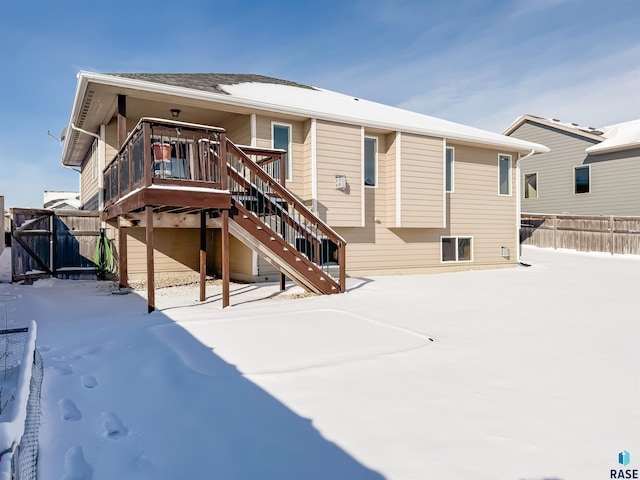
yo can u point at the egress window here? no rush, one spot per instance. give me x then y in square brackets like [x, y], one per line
[582, 179]
[456, 249]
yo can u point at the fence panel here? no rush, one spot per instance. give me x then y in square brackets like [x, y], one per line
[54, 242]
[584, 233]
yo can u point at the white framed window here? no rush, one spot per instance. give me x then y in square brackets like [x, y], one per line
[370, 161]
[530, 183]
[448, 167]
[456, 249]
[281, 138]
[504, 174]
[582, 179]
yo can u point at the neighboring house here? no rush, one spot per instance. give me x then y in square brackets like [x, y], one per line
[589, 171]
[406, 192]
[55, 200]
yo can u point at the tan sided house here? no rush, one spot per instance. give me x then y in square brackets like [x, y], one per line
[255, 177]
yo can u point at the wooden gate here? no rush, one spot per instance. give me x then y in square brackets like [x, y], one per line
[59, 243]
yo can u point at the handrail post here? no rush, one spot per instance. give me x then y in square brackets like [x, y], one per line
[224, 181]
[148, 167]
[283, 169]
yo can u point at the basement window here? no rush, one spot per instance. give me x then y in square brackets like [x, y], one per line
[456, 249]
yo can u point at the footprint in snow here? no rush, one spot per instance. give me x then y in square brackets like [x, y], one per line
[63, 369]
[75, 465]
[69, 410]
[114, 428]
[89, 381]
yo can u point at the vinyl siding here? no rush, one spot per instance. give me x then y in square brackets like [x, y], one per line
[238, 129]
[339, 152]
[614, 176]
[475, 210]
[88, 184]
[387, 175]
[175, 250]
[178, 251]
[422, 182]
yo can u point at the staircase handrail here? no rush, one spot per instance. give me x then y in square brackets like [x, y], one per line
[286, 195]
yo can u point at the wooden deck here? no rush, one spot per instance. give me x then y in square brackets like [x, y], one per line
[166, 167]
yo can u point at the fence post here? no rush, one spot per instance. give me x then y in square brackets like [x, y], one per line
[612, 224]
[555, 230]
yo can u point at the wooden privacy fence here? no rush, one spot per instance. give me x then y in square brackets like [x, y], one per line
[58, 243]
[584, 233]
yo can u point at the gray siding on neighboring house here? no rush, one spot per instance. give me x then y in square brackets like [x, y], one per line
[615, 177]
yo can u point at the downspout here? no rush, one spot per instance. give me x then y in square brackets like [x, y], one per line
[97, 137]
[518, 206]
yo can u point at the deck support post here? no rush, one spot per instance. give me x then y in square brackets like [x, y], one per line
[342, 260]
[203, 256]
[151, 295]
[225, 258]
[122, 256]
[283, 279]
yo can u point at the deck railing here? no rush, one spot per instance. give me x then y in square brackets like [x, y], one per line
[167, 153]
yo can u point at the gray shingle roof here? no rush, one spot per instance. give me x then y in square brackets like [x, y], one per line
[211, 82]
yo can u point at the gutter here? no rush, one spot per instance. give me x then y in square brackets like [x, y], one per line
[73, 127]
[518, 206]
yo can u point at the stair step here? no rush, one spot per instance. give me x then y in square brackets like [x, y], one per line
[245, 216]
[285, 249]
[258, 227]
[272, 238]
[298, 259]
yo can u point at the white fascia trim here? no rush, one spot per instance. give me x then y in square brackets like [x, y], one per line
[81, 88]
[362, 188]
[122, 82]
[314, 167]
[398, 179]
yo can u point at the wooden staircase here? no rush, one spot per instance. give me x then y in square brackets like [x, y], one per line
[267, 218]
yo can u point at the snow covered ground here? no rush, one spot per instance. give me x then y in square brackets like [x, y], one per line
[520, 374]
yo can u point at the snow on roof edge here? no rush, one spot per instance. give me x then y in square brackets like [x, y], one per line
[469, 134]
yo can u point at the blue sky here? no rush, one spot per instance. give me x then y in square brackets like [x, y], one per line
[482, 63]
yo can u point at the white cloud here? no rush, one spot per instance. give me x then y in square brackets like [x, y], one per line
[597, 92]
